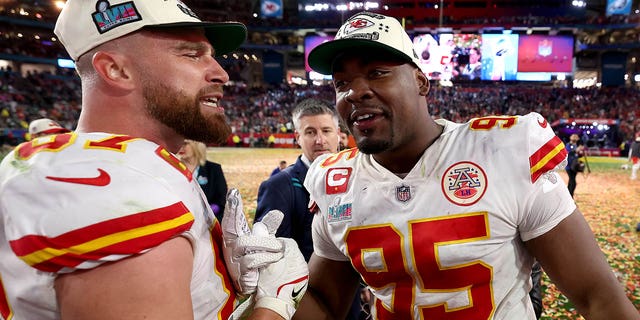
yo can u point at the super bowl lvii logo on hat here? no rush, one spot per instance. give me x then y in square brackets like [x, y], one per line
[108, 17]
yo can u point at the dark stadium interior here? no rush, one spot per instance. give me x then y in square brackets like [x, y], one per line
[33, 85]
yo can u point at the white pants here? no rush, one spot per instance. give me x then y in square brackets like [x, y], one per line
[634, 171]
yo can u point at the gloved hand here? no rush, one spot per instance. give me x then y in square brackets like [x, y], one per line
[245, 252]
[282, 284]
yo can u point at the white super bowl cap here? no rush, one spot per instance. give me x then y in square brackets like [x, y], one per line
[86, 24]
[364, 30]
[45, 126]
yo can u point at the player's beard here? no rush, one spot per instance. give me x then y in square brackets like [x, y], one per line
[178, 111]
[370, 145]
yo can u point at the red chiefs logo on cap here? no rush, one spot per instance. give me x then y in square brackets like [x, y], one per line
[337, 180]
[357, 24]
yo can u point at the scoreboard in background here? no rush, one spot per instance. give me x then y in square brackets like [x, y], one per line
[310, 42]
[504, 56]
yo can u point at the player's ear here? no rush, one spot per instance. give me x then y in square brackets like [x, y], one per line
[112, 69]
[423, 82]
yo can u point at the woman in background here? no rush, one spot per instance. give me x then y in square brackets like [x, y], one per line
[208, 174]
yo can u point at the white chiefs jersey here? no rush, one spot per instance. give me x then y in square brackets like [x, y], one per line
[77, 200]
[446, 241]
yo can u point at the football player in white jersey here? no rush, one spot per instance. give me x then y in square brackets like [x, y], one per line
[105, 222]
[441, 220]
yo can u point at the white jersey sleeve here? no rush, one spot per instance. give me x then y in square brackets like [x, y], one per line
[548, 202]
[318, 184]
[447, 240]
[75, 201]
[77, 213]
[322, 246]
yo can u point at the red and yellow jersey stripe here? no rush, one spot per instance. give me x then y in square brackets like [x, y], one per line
[549, 156]
[123, 236]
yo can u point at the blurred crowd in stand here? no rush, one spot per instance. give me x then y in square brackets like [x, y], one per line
[268, 109]
[32, 35]
[217, 10]
[27, 34]
[34, 96]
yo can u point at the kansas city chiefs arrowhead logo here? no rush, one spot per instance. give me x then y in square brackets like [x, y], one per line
[356, 25]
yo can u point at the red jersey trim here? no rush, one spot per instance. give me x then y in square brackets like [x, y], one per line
[550, 155]
[221, 270]
[126, 235]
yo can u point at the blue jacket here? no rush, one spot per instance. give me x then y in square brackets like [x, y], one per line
[285, 191]
[572, 154]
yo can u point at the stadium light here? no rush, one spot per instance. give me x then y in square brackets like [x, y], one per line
[66, 63]
[316, 7]
[371, 5]
[349, 6]
[579, 3]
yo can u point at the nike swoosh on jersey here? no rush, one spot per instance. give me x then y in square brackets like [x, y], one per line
[101, 180]
[295, 292]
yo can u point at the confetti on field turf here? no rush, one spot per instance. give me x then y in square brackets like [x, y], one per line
[610, 203]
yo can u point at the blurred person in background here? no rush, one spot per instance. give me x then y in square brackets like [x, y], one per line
[574, 152]
[344, 137]
[44, 127]
[209, 174]
[634, 156]
[281, 166]
[317, 133]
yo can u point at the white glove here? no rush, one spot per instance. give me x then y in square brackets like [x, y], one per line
[282, 284]
[243, 251]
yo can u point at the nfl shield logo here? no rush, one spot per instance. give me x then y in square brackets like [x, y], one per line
[403, 193]
[545, 48]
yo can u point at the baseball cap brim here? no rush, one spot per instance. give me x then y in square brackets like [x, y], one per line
[322, 57]
[225, 37]
[54, 131]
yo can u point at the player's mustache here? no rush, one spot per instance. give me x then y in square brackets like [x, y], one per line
[211, 90]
